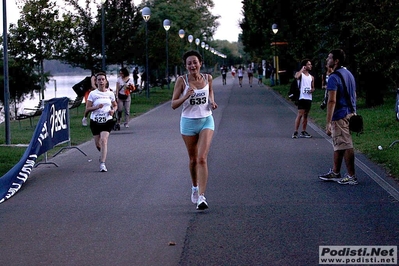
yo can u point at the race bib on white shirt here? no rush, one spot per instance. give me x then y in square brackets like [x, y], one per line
[101, 115]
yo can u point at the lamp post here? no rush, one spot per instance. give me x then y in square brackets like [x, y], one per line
[213, 58]
[102, 36]
[203, 58]
[166, 26]
[146, 13]
[5, 73]
[275, 61]
[197, 42]
[190, 39]
[181, 35]
[206, 48]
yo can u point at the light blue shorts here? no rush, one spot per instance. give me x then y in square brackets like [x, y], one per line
[193, 126]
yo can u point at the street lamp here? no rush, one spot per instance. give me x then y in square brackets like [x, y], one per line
[190, 39]
[166, 26]
[275, 60]
[181, 33]
[146, 13]
[197, 42]
[102, 35]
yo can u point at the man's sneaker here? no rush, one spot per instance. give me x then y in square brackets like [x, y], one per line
[201, 203]
[126, 125]
[84, 121]
[331, 176]
[194, 195]
[305, 134]
[295, 135]
[103, 168]
[348, 180]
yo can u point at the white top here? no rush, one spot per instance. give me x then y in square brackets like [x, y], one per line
[106, 98]
[123, 85]
[197, 105]
[306, 86]
[240, 72]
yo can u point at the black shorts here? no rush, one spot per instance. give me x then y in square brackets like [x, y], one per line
[304, 104]
[97, 128]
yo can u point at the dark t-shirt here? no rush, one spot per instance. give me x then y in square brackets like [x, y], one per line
[135, 74]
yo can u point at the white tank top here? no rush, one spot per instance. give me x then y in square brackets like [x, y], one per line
[197, 106]
[306, 86]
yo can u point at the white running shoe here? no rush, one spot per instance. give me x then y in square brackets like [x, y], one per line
[84, 121]
[103, 168]
[194, 195]
[201, 203]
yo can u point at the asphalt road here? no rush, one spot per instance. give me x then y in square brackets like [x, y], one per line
[266, 204]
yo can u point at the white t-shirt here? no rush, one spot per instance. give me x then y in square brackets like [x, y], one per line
[106, 98]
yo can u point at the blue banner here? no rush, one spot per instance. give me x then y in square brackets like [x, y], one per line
[52, 129]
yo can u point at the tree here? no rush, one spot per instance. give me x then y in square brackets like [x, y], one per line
[313, 27]
[22, 81]
[193, 16]
[37, 35]
[84, 50]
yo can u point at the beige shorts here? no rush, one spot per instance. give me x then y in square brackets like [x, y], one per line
[341, 136]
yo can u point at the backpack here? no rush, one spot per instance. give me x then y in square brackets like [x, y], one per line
[293, 93]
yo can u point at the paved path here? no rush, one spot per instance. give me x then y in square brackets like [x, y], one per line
[267, 206]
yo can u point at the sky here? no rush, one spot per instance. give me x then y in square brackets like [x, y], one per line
[229, 10]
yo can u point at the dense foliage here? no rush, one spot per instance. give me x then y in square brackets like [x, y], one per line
[368, 31]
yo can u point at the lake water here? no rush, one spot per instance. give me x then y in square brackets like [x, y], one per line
[59, 86]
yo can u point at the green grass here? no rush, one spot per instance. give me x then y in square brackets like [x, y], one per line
[21, 131]
[380, 128]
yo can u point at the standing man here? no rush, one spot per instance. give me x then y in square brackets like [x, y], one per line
[271, 71]
[338, 115]
[260, 74]
[305, 98]
[136, 77]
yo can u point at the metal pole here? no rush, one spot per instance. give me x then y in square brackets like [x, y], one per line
[146, 61]
[102, 37]
[55, 88]
[167, 61]
[6, 85]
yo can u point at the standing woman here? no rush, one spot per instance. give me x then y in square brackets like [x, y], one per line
[194, 93]
[102, 105]
[124, 86]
